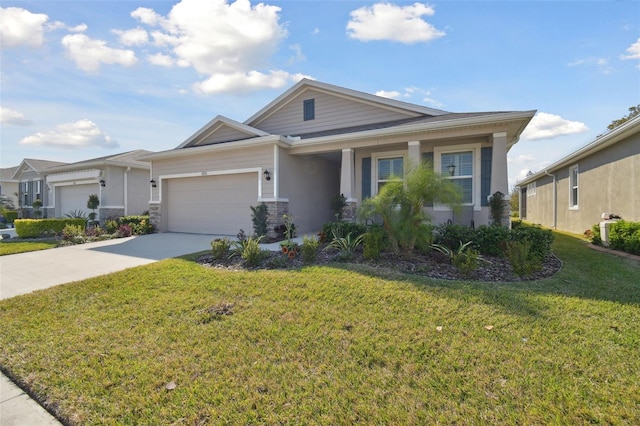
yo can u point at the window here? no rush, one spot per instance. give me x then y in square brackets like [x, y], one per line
[573, 187]
[458, 166]
[531, 189]
[38, 190]
[309, 109]
[25, 193]
[389, 168]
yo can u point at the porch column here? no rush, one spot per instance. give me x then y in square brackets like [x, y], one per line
[413, 153]
[347, 174]
[499, 175]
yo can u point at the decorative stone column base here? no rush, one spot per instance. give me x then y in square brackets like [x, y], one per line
[505, 218]
[275, 210]
[155, 217]
[349, 211]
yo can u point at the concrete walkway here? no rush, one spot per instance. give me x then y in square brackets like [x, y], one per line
[27, 272]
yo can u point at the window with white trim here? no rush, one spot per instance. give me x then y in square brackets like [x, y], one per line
[25, 193]
[389, 169]
[573, 187]
[458, 166]
[531, 189]
[38, 190]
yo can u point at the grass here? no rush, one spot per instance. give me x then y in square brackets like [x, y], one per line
[15, 247]
[333, 345]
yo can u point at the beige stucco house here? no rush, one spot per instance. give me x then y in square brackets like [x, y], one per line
[318, 140]
[121, 182]
[603, 177]
[9, 185]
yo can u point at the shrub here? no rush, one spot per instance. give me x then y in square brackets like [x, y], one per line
[10, 215]
[74, 234]
[76, 214]
[540, 239]
[140, 225]
[523, 258]
[466, 261]
[338, 203]
[373, 243]
[625, 236]
[346, 245]
[451, 235]
[309, 249]
[249, 250]
[111, 226]
[491, 240]
[496, 206]
[124, 231]
[341, 229]
[425, 238]
[33, 228]
[220, 248]
[259, 219]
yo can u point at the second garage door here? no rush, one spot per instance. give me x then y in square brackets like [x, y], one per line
[75, 197]
[212, 204]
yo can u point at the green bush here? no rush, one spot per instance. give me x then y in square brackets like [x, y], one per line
[220, 248]
[309, 249]
[373, 243]
[111, 226]
[466, 261]
[259, 218]
[451, 235]
[523, 258]
[346, 245]
[341, 229]
[249, 250]
[10, 215]
[540, 239]
[34, 228]
[490, 240]
[625, 236]
[140, 225]
[74, 234]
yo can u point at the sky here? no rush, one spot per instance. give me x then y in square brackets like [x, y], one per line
[85, 79]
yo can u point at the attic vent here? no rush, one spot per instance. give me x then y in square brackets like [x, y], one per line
[309, 109]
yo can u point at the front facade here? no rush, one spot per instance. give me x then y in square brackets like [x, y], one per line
[30, 176]
[603, 177]
[316, 141]
[121, 182]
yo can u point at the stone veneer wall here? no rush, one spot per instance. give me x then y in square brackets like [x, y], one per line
[155, 216]
[275, 211]
[349, 211]
[105, 214]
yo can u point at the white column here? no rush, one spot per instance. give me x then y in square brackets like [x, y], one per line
[414, 153]
[347, 174]
[499, 175]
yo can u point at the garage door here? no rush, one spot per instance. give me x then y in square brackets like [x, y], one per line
[75, 197]
[212, 204]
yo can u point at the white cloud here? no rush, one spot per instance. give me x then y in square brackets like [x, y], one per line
[161, 60]
[89, 54]
[549, 126]
[386, 21]
[602, 64]
[393, 94]
[9, 116]
[633, 50]
[245, 82]
[80, 134]
[521, 159]
[133, 37]
[19, 27]
[146, 16]
[297, 56]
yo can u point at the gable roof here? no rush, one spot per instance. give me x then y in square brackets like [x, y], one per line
[306, 84]
[218, 123]
[37, 166]
[614, 136]
[6, 174]
[125, 159]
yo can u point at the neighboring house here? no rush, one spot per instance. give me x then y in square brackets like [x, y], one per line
[602, 177]
[121, 182]
[315, 141]
[9, 185]
[30, 175]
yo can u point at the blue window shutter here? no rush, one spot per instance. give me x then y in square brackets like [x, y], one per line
[486, 155]
[366, 178]
[427, 157]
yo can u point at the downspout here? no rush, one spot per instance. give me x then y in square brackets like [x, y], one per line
[126, 196]
[555, 199]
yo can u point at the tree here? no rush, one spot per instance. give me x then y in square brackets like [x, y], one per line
[633, 111]
[400, 205]
[92, 203]
[515, 200]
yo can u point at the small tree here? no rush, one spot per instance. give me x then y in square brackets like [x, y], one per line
[338, 203]
[37, 205]
[496, 205]
[400, 204]
[92, 204]
[259, 218]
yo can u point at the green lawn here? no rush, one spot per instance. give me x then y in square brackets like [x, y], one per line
[177, 343]
[14, 247]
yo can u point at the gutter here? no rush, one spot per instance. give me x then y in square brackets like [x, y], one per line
[555, 198]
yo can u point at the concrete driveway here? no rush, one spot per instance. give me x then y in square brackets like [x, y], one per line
[26, 272]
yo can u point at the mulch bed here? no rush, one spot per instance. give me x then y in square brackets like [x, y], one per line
[433, 265]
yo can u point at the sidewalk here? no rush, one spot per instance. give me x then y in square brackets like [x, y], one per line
[18, 409]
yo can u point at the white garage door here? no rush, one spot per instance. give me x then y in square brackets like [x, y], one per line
[212, 204]
[75, 197]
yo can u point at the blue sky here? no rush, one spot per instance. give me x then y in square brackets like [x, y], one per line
[83, 79]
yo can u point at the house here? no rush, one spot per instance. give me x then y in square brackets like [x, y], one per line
[602, 177]
[30, 175]
[121, 182]
[316, 141]
[9, 185]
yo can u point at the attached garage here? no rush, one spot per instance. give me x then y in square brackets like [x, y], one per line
[74, 197]
[211, 204]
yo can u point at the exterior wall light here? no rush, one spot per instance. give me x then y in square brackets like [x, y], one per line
[153, 183]
[103, 183]
[267, 175]
[452, 169]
